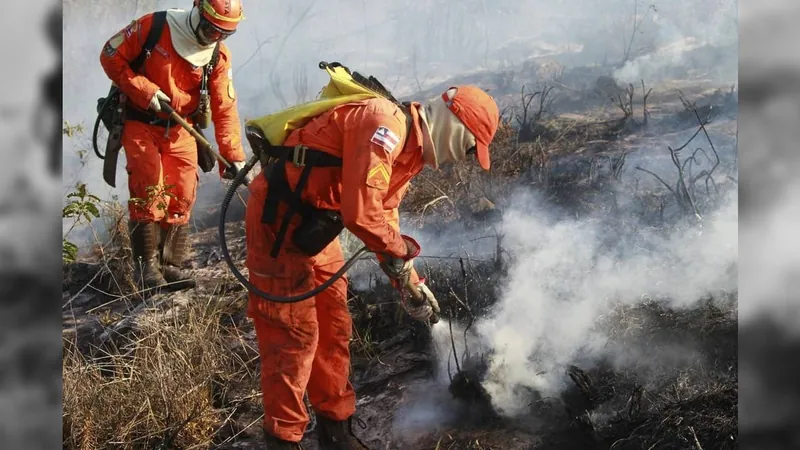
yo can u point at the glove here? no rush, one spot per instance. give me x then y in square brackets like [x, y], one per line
[424, 311]
[429, 297]
[399, 269]
[155, 101]
[231, 172]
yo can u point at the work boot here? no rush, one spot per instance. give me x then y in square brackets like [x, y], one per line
[274, 443]
[145, 253]
[175, 249]
[338, 434]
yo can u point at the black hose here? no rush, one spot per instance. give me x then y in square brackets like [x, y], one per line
[238, 181]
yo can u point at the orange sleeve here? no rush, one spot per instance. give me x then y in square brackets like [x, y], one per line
[116, 56]
[224, 113]
[366, 171]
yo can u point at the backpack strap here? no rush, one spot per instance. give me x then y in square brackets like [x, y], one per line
[293, 199]
[214, 58]
[159, 19]
[208, 69]
[280, 191]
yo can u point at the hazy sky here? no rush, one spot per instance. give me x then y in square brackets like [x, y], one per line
[407, 45]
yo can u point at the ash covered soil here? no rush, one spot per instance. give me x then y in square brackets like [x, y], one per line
[584, 161]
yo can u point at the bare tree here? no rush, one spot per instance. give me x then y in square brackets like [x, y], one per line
[300, 83]
[275, 86]
[635, 28]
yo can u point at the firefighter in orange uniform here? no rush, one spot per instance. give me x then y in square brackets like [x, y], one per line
[162, 156]
[304, 346]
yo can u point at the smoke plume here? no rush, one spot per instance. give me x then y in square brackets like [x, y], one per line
[569, 273]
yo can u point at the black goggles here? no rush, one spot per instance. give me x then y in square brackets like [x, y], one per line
[211, 32]
[472, 150]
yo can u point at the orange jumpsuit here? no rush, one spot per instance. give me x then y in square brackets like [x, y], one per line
[305, 345]
[161, 163]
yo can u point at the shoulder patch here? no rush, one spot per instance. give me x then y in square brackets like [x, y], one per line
[386, 138]
[116, 40]
[378, 176]
[114, 43]
[133, 26]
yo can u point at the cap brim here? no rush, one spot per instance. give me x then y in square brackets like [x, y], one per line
[482, 151]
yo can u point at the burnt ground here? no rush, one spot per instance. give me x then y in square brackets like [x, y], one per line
[410, 392]
[406, 398]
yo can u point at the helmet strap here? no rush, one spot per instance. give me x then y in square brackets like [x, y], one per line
[196, 28]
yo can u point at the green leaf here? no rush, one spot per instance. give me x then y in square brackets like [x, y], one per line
[91, 208]
[70, 210]
[69, 252]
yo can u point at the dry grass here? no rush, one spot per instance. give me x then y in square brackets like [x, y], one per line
[161, 389]
[114, 253]
[455, 193]
[703, 417]
[449, 194]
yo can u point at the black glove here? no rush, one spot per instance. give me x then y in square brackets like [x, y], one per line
[231, 172]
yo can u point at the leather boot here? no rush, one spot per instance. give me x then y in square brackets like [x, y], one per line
[338, 434]
[274, 443]
[145, 253]
[175, 250]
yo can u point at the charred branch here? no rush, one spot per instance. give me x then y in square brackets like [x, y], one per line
[624, 100]
[645, 111]
[529, 120]
[625, 103]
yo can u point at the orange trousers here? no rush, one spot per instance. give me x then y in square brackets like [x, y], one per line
[303, 346]
[162, 172]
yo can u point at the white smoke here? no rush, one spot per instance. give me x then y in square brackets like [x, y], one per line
[652, 65]
[565, 278]
[671, 32]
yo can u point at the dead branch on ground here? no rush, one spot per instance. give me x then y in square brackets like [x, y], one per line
[625, 104]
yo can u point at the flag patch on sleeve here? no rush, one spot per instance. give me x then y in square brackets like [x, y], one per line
[385, 138]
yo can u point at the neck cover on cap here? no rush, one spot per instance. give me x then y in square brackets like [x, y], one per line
[181, 29]
[449, 137]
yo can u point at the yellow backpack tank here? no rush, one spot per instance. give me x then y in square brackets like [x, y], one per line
[344, 87]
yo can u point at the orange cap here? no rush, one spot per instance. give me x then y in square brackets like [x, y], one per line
[478, 111]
